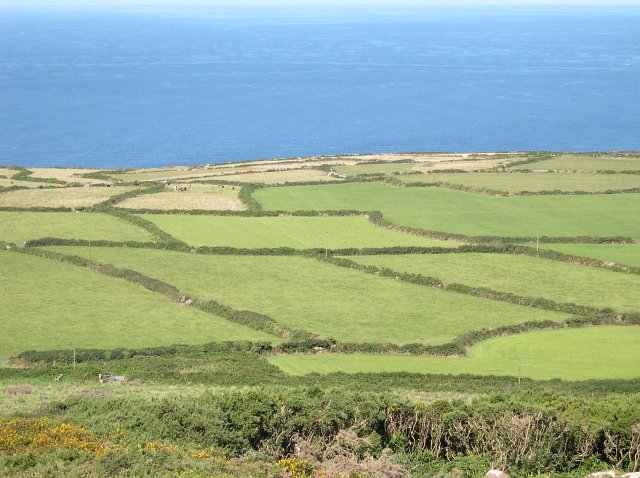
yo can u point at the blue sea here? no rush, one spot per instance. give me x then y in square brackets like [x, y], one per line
[139, 87]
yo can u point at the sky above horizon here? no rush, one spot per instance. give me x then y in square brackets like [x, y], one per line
[310, 2]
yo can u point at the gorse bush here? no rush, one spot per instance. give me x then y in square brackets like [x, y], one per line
[526, 432]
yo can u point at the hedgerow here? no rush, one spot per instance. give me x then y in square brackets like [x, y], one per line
[25, 174]
[246, 197]
[117, 198]
[604, 316]
[149, 226]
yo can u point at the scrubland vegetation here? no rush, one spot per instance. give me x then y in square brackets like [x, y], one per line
[399, 323]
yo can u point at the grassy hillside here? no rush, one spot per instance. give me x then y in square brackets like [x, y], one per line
[569, 354]
[22, 226]
[285, 231]
[302, 293]
[523, 275]
[50, 305]
[440, 209]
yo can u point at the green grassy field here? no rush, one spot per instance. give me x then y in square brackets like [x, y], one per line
[523, 275]
[22, 226]
[60, 197]
[511, 182]
[50, 305]
[573, 162]
[285, 231]
[568, 354]
[331, 301]
[626, 254]
[471, 214]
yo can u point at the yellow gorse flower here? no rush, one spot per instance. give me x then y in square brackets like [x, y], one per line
[28, 434]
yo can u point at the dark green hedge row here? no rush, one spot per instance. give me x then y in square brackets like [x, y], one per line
[470, 338]
[451, 349]
[610, 171]
[56, 241]
[387, 161]
[536, 302]
[249, 318]
[242, 213]
[397, 250]
[310, 345]
[66, 356]
[101, 175]
[245, 196]
[24, 174]
[376, 217]
[382, 271]
[8, 189]
[41, 209]
[138, 221]
[534, 158]
[494, 192]
[606, 315]
[116, 198]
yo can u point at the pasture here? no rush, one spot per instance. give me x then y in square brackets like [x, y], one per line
[280, 177]
[20, 226]
[625, 254]
[523, 275]
[384, 168]
[50, 305]
[577, 162]
[5, 183]
[599, 353]
[438, 209]
[60, 197]
[516, 182]
[197, 196]
[303, 293]
[285, 231]
[68, 175]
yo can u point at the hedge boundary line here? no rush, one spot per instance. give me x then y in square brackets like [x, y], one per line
[8, 189]
[549, 254]
[41, 208]
[142, 223]
[456, 348]
[533, 157]
[304, 346]
[495, 192]
[365, 251]
[250, 319]
[24, 174]
[605, 315]
[376, 217]
[245, 195]
[589, 316]
[117, 198]
[242, 212]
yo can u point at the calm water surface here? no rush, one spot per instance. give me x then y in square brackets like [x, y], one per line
[149, 87]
